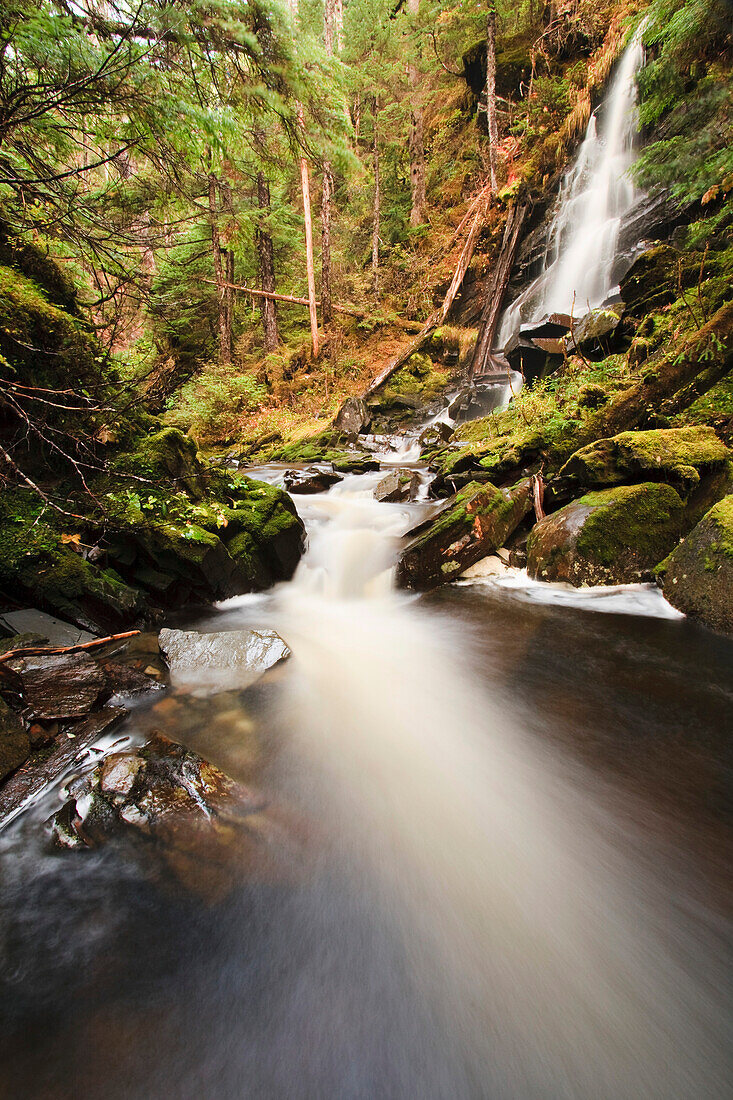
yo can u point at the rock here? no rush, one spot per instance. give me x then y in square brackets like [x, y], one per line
[22, 787]
[234, 658]
[472, 524]
[490, 566]
[483, 397]
[680, 456]
[358, 462]
[56, 632]
[63, 686]
[15, 745]
[697, 577]
[614, 536]
[389, 488]
[595, 331]
[434, 434]
[312, 480]
[180, 809]
[353, 416]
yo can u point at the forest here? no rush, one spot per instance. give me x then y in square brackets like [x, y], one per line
[366, 530]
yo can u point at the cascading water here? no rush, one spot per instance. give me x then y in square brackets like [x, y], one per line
[530, 940]
[580, 269]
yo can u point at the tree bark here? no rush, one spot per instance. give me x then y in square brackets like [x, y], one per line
[266, 257]
[496, 291]
[305, 187]
[416, 138]
[377, 203]
[225, 347]
[327, 191]
[491, 123]
[228, 265]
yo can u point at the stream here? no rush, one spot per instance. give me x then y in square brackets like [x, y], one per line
[516, 807]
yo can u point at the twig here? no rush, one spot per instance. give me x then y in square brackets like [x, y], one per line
[51, 651]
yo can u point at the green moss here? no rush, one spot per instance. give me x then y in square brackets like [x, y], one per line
[644, 519]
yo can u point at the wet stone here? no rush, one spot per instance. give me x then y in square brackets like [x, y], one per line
[63, 686]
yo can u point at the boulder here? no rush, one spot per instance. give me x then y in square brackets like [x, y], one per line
[697, 577]
[595, 331]
[15, 744]
[391, 488]
[472, 524]
[680, 456]
[312, 480]
[614, 536]
[228, 659]
[353, 417]
[56, 632]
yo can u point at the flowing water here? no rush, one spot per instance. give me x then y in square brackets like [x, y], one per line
[580, 266]
[517, 882]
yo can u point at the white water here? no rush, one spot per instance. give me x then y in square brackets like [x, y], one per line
[595, 196]
[536, 943]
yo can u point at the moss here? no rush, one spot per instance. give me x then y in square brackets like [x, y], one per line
[167, 457]
[645, 519]
[698, 575]
[677, 455]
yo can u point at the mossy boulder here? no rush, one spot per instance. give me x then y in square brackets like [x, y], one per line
[474, 523]
[697, 577]
[410, 391]
[166, 457]
[614, 536]
[679, 456]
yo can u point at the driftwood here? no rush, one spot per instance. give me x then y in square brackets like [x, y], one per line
[285, 298]
[496, 291]
[54, 651]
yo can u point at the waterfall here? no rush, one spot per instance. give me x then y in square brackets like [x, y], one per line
[596, 195]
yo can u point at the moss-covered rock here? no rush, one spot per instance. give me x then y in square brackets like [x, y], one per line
[409, 391]
[697, 577]
[680, 456]
[166, 457]
[614, 536]
[475, 522]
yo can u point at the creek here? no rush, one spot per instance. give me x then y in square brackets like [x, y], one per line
[517, 811]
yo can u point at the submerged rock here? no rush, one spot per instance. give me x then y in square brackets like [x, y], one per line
[697, 577]
[473, 524]
[614, 536]
[199, 823]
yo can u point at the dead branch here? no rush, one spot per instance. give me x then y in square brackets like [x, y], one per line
[55, 651]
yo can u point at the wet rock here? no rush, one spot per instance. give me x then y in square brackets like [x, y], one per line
[473, 524]
[15, 744]
[53, 631]
[614, 536]
[234, 658]
[389, 489]
[75, 737]
[313, 480]
[180, 809]
[434, 434]
[680, 456]
[63, 686]
[697, 577]
[358, 462]
[353, 417]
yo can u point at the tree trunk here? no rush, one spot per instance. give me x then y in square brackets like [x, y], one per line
[491, 123]
[327, 192]
[228, 265]
[266, 256]
[416, 138]
[496, 291]
[225, 347]
[305, 186]
[377, 204]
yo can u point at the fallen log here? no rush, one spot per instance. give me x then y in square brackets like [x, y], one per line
[291, 298]
[496, 292]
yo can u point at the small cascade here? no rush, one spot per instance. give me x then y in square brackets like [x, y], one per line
[580, 268]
